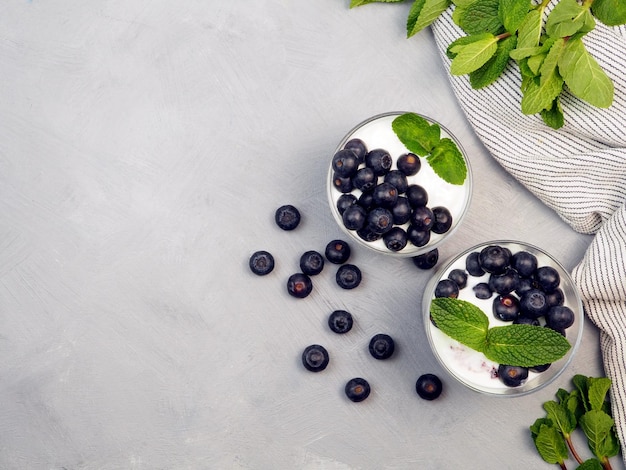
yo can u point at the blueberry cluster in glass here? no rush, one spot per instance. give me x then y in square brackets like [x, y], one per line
[379, 202]
[522, 291]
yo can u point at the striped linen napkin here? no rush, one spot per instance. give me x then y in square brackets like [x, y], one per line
[579, 171]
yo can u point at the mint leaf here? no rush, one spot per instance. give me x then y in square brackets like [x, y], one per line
[524, 345]
[456, 46]
[512, 13]
[541, 94]
[529, 32]
[536, 426]
[551, 445]
[447, 161]
[597, 426]
[479, 17]
[358, 3]
[423, 13]
[494, 67]
[416, 133]
[610, 12]
[596, 392]
[561, 417]
[461, 320]
[583, 75]
[473, 56]
[590, 464]
[565, 19]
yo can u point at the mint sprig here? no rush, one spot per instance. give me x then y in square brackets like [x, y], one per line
[548, 49]
[424, 139]
[514, 345]
[585, 409]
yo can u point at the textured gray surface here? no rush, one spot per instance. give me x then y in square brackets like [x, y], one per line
[143, 149]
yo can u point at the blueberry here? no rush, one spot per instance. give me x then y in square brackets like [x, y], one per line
[344, 201]
[548, 278]
[401, 211]
[416, 236]
[428, 386]
[427, 260]
[422, 218]
[385, 195]
[358, 147]
[345, 162]
[357, 389]
[539, 369]
[524, 263]
[443, 220]
[348, 276]
[343, 184]
[299, 285]
[417, 195]
[504, 283]
[560, 317]
[354, 217]
[523, 320]
[506, 307]
[287, 217]
[337, 251]
[397, 179]
[381, 346]
[340, 321]
[409, 164]
[261, 262]
[311, 263]
[364, 179]
[315, 358]
[447, 288]
[494, 259]
[378, 160]
[366, 200]
[459, 276]
[368, 235]
[556, 297]
[380, 220]
[512, 376]
[482, 291]
[533, 303]
[524, 284]
[395, 239]
[472, 264]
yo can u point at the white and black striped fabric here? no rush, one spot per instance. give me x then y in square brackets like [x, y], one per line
[579, 171]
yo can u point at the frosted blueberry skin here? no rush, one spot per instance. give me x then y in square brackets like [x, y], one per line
[428, 386]
[357, 389]
[315, 358]
[381, 346]
[337, 251]
[311, 263]
[261, 262]
[299, 285]
[287, 217]
[340, 321]
[427, 260]
[348, 276]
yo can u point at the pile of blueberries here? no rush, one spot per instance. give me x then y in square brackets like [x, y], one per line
[522, 292]
[315, 357]
[378, 202]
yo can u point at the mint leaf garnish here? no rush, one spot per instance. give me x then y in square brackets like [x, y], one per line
[447, 161]
[416, 133]
[550, 444]
[424, 139]
[525, 345]
[461, 320]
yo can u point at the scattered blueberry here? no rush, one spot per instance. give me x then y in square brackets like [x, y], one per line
[428, 386]
[261, 262]
[427, 260]
[337, 251]
[357, 389]
[382, 346]
[315, 358]
[348, 276]
[340, 321]
[311, 263]
[287, 217]
[299, 285]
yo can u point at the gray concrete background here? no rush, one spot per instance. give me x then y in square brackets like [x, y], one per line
[144, 146]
